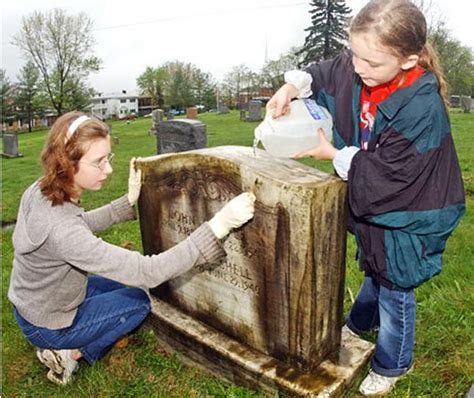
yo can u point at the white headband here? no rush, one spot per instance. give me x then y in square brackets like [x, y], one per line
[76, 123]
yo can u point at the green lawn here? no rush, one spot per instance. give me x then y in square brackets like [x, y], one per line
[444, 353]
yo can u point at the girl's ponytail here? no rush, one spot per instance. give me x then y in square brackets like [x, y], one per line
[430, 61]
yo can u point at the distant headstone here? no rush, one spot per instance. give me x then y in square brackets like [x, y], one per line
[10, 146]
[192, 113]
[180, 135]
[466, 104]
[255, 111]
[221, 108]
[169, 115]
[156, 117]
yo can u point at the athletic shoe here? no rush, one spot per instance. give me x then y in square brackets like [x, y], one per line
[60, 363]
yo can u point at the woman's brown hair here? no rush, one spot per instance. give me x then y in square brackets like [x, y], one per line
[401, 27]
[62, 153]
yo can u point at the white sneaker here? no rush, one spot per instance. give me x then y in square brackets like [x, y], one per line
[376, 385]
[60, 363]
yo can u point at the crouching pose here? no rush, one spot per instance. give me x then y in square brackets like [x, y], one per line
[61, 309]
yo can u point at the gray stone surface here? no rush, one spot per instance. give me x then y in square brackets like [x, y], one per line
[254, 111]
[280, 289]
[10, 146]
[180, 135]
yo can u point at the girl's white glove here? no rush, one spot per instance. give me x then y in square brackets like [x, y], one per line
[234, 214]
[134, 183]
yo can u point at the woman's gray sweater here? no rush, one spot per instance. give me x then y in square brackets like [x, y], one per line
[55, 249]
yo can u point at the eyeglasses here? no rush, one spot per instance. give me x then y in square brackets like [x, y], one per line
[101, 164]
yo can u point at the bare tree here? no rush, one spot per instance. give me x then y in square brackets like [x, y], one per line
[60, 45]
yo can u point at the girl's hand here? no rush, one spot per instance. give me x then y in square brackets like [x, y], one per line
[324, 151]
[279, 104]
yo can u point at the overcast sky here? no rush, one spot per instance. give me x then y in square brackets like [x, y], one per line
[214, 35]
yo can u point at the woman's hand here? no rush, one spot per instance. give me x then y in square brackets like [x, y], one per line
[324, 151]
[279, 104]
[234, 214]
[134, 183]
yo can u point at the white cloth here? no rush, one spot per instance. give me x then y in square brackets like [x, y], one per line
[301, 80]
[343, 159]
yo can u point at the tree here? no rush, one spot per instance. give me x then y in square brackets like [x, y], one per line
[204, 89]
[179, 90]
[60, 45]
[327, 35]
[235, 81]
[152, 83]
[272, 74]
[7, 95]
[27, 90]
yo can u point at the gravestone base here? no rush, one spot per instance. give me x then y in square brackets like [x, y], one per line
[215, 353]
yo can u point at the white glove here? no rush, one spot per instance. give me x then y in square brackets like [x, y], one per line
[234, 214]
[134, 183]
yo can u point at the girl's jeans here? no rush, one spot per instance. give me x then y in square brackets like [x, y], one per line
[392, 312]
[109, 311]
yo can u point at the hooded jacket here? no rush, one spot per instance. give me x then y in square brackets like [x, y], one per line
[406, 193]
[55, 249]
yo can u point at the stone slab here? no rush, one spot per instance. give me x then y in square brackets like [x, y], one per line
[204, 347]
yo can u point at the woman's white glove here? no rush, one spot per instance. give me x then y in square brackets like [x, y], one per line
[234, 214]
[134, 183]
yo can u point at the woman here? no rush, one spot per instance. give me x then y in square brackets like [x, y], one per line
[60, 308]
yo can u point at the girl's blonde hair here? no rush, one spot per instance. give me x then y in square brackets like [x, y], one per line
[62, 153]
[401, 27]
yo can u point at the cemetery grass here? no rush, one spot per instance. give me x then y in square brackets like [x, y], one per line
[444, 351]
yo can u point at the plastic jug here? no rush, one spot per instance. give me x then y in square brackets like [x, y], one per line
[296, 131]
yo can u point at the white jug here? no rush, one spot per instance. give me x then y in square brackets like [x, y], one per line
[296, 131]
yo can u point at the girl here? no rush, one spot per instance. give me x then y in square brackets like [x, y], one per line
[62, 310]
[392, 143]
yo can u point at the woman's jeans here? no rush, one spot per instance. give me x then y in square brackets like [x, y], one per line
[392, 312]
[109, 311]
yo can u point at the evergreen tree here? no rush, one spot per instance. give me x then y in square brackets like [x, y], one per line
[327, 35]
[27, 90]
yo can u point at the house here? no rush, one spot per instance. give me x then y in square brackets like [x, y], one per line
[115, 105]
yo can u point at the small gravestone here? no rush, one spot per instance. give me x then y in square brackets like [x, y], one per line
[255, 111]
[180, 135]
[192, 113]
[221, 108]
[169, 115]
[10, 146]
[466, 103]
[156, 117]
[269, 315]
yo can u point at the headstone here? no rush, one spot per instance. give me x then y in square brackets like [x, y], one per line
[156, 117]
[269, 316]
[221, 108]
[192, 113]
[169, 115]
[10, 146]
[466, 103]
[255, 111]
[180, 135]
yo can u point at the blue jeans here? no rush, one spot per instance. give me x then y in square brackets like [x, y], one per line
[109, 311]
[392, 312]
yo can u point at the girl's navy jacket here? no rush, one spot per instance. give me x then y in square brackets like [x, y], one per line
[405, 192]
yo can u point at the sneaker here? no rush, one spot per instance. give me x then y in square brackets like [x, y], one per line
[60, 363]
[377, 385]
[345, 329]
